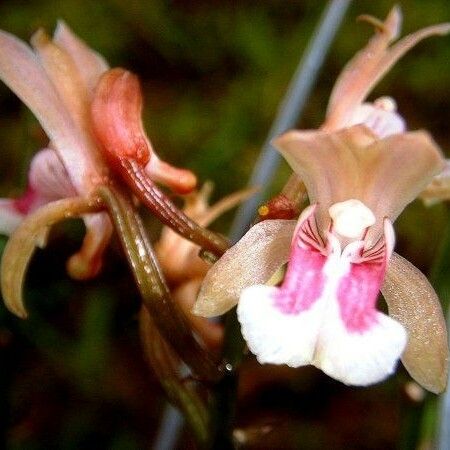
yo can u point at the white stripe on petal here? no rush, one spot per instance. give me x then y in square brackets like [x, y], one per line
[273, 336]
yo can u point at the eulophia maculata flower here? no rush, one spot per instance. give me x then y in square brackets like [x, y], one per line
[99, 165]
[360, 170]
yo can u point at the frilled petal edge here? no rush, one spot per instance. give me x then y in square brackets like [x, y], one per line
[253, 260]
[413, 302]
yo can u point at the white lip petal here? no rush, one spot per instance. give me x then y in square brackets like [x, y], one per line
[273, 336]
[359, 358]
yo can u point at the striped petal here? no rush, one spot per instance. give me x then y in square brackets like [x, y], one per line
[47, 181]
[357, 344]
[21, 70]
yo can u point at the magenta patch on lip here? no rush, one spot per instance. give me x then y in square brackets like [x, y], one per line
[304, 281]
[24, 204]
[357, 295]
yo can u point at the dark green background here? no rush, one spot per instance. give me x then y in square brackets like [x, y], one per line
[213, 72]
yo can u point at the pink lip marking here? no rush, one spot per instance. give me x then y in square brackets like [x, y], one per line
[24, 203]
[304, 280]
[357, 295]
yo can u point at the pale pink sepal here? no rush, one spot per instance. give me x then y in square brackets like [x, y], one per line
[370, 64]
[88, 261]
[413, 302]
[90, 64]
[439, 188]
[47, 181]
[353, 163]
[48, 177]
[254, 259]
[21, 71]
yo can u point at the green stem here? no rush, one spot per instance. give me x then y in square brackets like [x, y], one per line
[165, 365]
[156, 297]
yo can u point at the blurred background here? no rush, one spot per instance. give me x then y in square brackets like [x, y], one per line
[213, 72]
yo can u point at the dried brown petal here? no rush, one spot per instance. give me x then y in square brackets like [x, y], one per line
[253, 260]
[413, 302]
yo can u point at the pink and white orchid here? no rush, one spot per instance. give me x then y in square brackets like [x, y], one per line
[360, 170]
[57, 80]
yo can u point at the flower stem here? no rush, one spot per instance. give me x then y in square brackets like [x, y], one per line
[156, 297]
[167, 212]
[166, 367]
[223, 409]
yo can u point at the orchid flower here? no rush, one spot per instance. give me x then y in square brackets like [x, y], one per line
[55, 81]
[360, 170]
[63, 83]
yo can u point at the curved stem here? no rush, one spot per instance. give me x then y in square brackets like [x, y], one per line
[165, 365]
[167, 212]
[156, 297]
